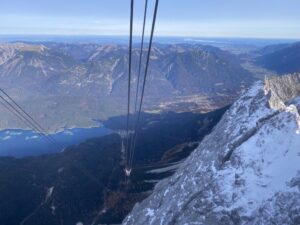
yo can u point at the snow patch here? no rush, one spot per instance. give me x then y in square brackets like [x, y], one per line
[150, 212]
[49, 194]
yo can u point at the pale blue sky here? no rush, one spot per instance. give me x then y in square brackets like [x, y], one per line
[203, 18]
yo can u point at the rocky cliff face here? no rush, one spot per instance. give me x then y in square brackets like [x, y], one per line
[283, 92]
[282, 89]
[246, 171]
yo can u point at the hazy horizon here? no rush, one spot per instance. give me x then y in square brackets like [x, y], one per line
[191, 18]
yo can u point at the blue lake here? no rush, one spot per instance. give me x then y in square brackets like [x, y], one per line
[20, 143]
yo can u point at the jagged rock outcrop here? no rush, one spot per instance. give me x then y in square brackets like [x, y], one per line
[282, 89]
[246, 172]
[283, 92]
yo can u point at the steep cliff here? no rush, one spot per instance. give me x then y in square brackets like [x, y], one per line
[246, 171]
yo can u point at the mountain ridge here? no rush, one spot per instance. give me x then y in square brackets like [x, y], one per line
[245, 172]
[282, 59]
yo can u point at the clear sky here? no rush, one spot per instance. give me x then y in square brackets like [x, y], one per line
[202, 18]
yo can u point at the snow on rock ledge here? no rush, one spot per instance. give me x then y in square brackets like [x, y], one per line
[247, 171]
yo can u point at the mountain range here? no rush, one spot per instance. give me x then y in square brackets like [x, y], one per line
[89, 81]
[208, 164]
[282, 59]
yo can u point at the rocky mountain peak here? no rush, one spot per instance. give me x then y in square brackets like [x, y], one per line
[245, 172]
[9, 50]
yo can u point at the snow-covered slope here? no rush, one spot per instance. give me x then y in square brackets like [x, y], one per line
[247, 171]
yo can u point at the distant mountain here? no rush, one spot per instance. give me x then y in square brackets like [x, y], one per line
[245, 172]
[180, 69]
[90, 80]
[33, 67]
[282, 58]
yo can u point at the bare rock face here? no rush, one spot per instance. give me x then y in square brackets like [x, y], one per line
[282, 89]
[246, 172]
[283, 92]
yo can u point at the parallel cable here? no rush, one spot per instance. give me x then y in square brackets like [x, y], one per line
[11, 108]
[13, 112]
[139, 69]
[40, 128]
[129, 82]
[141, 56]
[144, 81]
[17, 113]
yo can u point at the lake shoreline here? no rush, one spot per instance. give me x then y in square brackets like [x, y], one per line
[16, 142]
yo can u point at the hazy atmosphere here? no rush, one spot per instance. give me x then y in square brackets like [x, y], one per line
[149, 112]
[216, 18]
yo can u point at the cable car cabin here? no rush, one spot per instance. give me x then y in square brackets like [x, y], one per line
[127, 171]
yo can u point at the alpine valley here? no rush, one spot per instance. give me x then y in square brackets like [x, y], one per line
[218, 139]
[88, 81]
